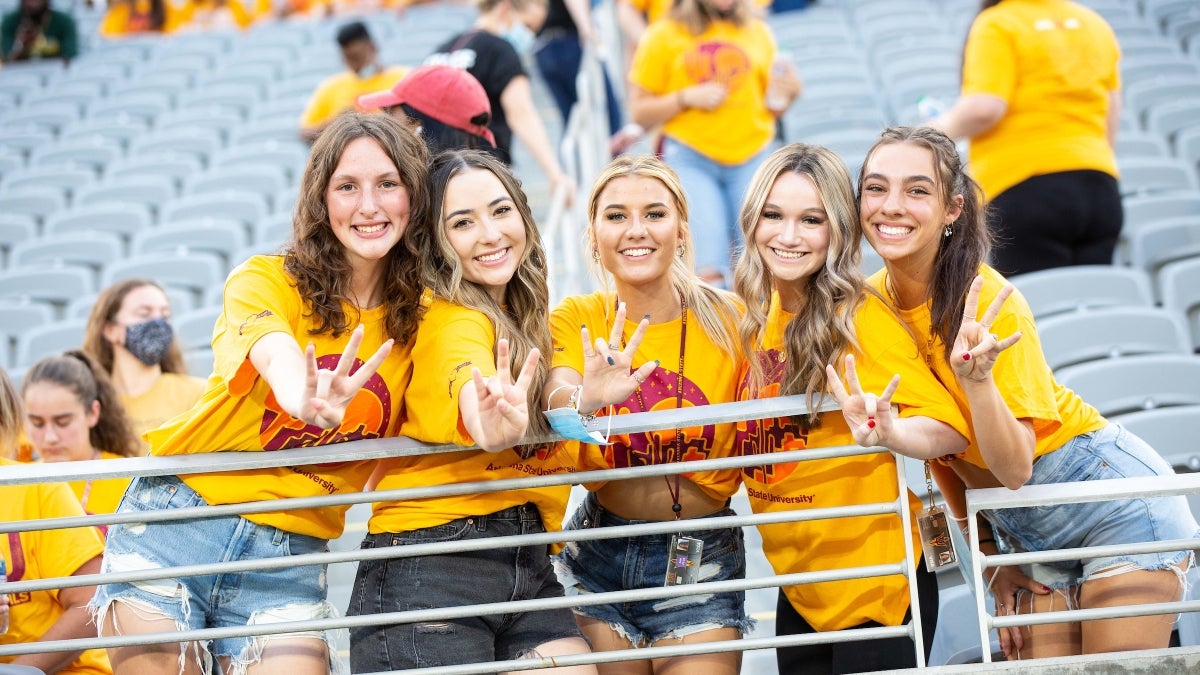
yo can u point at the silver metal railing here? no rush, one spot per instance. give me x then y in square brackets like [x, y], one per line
[379, 448]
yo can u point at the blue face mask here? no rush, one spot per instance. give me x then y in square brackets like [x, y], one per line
[520, 37]
[568, 424]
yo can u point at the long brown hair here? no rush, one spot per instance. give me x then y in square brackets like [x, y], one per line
[104, 311]
[316, 260]
[524, 318]
[959, 255]
[823, 329]
[79, 374]
[10, 417]
[698, 15]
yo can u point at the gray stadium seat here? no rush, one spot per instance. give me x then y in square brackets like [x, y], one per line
[220, 236]
[1112, 332]
[92, 249]
[175, 165]
[1187, 146]
[120, 218]
[57, 285]
[1155, 174]
[48, 116]
[198, 142]
[151, 191]
[261, 178]
[215, 117]
[290, 156]
[195, 328]
[64, 179]
[1169, 117]
[1083, 287]
[146, 106]
[1144, 209]
[93, 151]
[1141, 144]
[191, 271]
[31, 201]
[1142, 95]
[261, 130]
[247, 207]
[16, 318]
[14, 229]
[273, 230]
[1130, 384]
[24, 138]
[1179, 288]
[1170, 431]
[48, 340]
[120, 130]
[238, 97]
[199, 362]
[1156, 244]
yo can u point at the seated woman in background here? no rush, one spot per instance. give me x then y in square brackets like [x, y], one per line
[72, 414]
[807, 307]
[477, 380]
[129, 334]
[55, 614]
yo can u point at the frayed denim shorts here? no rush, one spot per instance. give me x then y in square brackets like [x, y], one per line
[294, 593]
[453, 579]
[627, 563]
[1108, 453]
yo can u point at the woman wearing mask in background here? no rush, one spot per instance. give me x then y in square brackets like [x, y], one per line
[702, 73]
[484, 322]
[129, 334]
[807, 308]
[57, 614]
[72, 414]
[491, 51]
[924, 216]
[685, 346]
[312, 348]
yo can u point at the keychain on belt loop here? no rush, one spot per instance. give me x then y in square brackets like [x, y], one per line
[934, 529]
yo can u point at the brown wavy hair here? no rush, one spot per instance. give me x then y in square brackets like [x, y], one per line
[823, 329]
[315, 258]
[959, 255]
[10, 417]
[104, 311]
[524, 318]
[81, 375]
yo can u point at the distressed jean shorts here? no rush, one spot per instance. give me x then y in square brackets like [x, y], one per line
[627, 563]
[292, 593]
[455, 579]
[1108, 453]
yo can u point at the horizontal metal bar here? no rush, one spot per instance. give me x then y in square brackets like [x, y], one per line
[405, 494]
[447, 613]
[1087, 552]
[746, 644]
[379, 448]
[1142, 487]
[1073, 615]
[414, 550]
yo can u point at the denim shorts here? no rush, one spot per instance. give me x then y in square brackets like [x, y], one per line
[627, 563]
[469, 578]
[1108, 453]
[294, 593]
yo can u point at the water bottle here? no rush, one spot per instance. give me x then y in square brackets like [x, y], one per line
[778, 100]
[4, 613]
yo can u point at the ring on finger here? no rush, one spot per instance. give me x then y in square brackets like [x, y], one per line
[614, 347]
[589, 355]
[995, 338]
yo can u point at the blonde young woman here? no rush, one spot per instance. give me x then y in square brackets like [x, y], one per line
[686, 355]
[477, 378]
[54, 614]
[924, 216]
[72, 414]
[807, 308]
[129, 333]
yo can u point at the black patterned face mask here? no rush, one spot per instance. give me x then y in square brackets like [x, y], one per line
[149, 341]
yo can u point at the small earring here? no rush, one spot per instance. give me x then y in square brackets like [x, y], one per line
[680, 251]
[596, 256]
[948, 231]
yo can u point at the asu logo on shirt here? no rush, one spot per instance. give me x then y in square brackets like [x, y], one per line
[366, 417]
[657, 392]
[718, 61]
[760, 437]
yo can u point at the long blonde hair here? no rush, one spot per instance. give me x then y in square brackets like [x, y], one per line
[10, 417]
[823, 329]
[716, 310]
[524, 318]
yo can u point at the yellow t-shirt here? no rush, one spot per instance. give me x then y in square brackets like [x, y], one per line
[101, 496]
[172, 394]
[670, 58]
[239, 412]
[133, 18]
[885, 349]
[210, 14]
[452, 340]
[1024, 379]
[657, 9]
[45, 554]
[1054, 63]
[340, 92]
[709, 376]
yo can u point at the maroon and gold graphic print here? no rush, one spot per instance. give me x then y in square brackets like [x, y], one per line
[718, 62]
[760, 437]
[366, 417]
[658, 392]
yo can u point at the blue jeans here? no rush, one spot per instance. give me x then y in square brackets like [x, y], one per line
[424, 582]
[627, 563]
[558, 59]
[714, 192]
[1111, 452]
[216, 601]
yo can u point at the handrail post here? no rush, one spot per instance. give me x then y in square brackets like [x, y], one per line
[910, 562]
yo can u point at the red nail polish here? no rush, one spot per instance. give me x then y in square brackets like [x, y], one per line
[870, 424]
[1046, 588]
[967, 356]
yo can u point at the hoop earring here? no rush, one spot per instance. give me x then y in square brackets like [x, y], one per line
[948, 231]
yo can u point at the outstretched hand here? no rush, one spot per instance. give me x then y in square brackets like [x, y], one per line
[976, 348]
[327, 393]
[502, 405]
[869, 416]
[608, 375]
